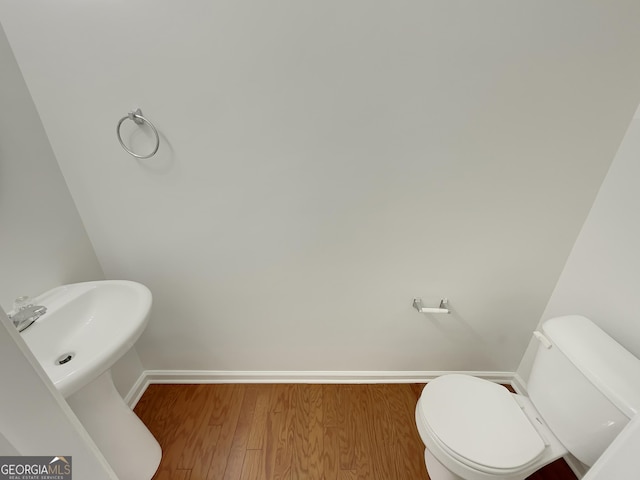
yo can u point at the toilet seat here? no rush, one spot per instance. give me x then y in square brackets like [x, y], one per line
[479, 423]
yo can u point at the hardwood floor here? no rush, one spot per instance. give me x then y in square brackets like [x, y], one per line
[290, 431]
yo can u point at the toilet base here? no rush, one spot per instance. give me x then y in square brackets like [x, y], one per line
[436, 470]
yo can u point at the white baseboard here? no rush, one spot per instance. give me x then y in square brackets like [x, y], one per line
[137, 390]
[222, 376]
[519, 384]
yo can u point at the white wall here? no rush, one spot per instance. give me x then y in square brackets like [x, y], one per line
[43, 242]
[322, 163]
[601, 278]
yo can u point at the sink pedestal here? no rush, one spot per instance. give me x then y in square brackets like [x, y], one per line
[126, 443]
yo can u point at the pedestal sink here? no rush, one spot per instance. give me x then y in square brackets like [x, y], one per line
[86, 329]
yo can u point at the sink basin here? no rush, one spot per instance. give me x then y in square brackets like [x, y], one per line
[87, 328]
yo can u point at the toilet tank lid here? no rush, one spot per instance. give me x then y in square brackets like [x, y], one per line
[607, 364]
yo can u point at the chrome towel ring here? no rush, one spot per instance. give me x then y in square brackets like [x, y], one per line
[139, 120]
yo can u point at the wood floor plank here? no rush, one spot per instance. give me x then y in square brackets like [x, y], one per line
[300, 457]
[241, 434]
[286, 438]
[175, 475]
[408, 454]
[252, 466]
[199, 435]
[206, 450]
[259, 423]
[380, 431]
[347, 404]
[347, 475]
[280, 397]
[228, 425]
[316, 431]
[417, 388]
[222, 402]
[330, 462]
[271, 428]
[162, 475]
[154, 408]
[275, 422]
[177, 429]
[364, 448]
[297, 432]
[330, 406]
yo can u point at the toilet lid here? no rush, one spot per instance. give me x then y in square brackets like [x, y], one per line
[480, 421]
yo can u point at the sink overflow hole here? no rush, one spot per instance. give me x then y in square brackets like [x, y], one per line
[64, 358]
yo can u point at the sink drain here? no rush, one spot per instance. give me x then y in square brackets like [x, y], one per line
[66, 358]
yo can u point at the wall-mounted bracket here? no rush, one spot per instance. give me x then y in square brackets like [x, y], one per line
[442, 308]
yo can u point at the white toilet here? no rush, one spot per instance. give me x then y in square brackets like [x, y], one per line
[584, 388]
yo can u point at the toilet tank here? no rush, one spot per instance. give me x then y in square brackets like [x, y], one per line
[585, 385]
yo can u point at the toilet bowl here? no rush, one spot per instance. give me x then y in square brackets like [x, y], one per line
[474, 429]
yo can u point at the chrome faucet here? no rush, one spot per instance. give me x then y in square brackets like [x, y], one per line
[25, 317]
